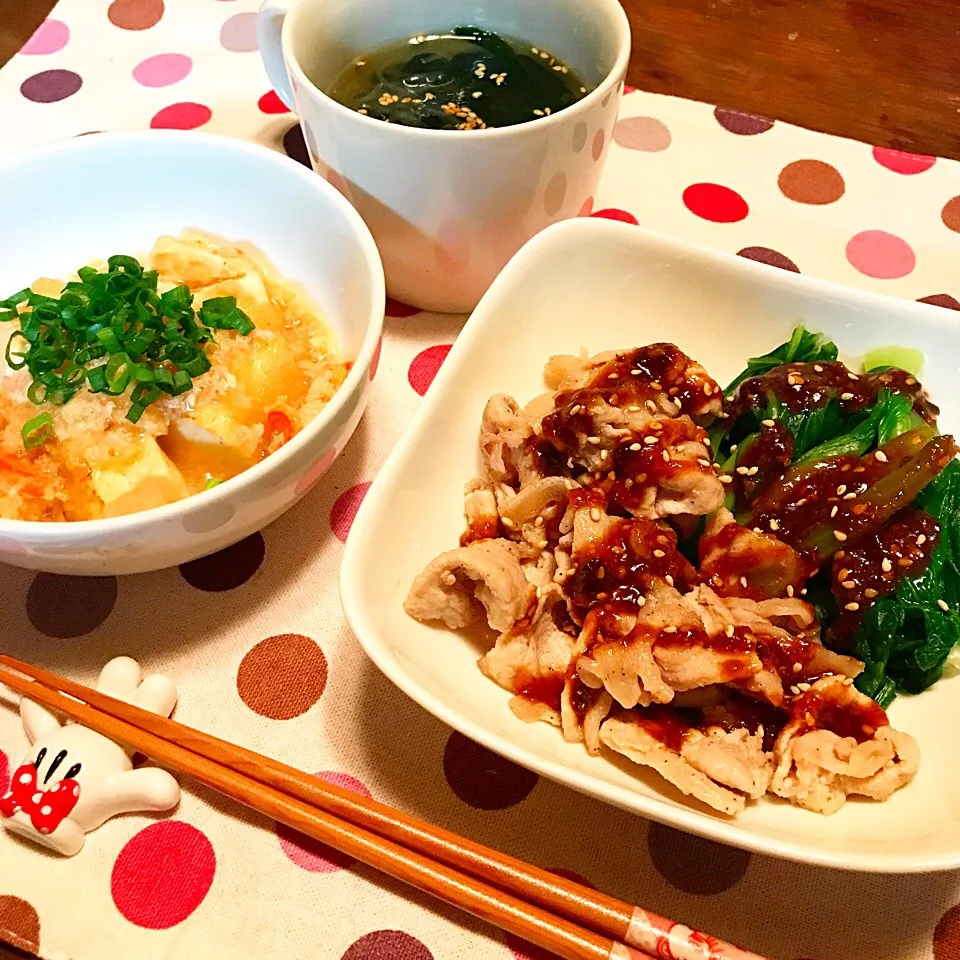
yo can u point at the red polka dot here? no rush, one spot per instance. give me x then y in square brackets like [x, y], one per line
[375, 362]
[310, 854]
[615, 213]
[395, 308]
[425, 365]
[876, 253]
[628, 89]
[181, 116]
[271, 103]
[4, 773]
[163, 874]
[345, 508]
[899, 161]
[586, 208]
[714, 202]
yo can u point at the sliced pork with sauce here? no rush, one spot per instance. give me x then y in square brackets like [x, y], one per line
[704, 662]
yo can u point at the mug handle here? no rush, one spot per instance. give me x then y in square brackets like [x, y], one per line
[270, 18]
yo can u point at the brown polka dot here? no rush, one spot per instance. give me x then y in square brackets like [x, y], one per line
[946, 936]
[772, 258]
[695, 865]
[387, 945]
[65, 607]
[283, 676]
[228, 568]
[941, 300]
[484, 779]
[642, 133]
[811, 181]
[951, 214]
[135, 14]
[295, 146]
[19, 924]
[742, 124]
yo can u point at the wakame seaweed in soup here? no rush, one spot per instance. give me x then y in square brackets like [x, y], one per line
[467, 79]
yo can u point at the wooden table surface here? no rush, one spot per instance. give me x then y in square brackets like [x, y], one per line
[883, 71]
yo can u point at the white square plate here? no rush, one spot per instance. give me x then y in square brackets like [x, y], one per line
[602, 285]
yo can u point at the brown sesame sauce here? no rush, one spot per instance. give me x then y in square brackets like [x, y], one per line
[839, 710]
[740, 712]
[875, 565]
[665, 724]
[806, 386]
[582, 698]
[783, 651]
[624, 564]
[765, 457]
[546, 689]
[548, 461]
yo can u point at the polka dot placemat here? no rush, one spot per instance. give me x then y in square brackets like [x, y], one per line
[255, 636]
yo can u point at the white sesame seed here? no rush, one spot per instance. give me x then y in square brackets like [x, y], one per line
[603, 455]
[833, 510]
[449, 579]
[790, 590]
[733, 448]
[886, 565]
[870, 593]
[593, 439]
[594, 514]
[707, 389]
[670, 629]
[881, 456]
[774, 526]
[546, 111]
[659, 553]
[797, 667]
[841, 489]
[742, 471]
[852, 376]
[725, 478]
[613, 376]
[852, 607]
[651, 406]
[628, 483]
[943, 605]
[507, 522]
[757, 530]
[534, 50]
[846, 396]
[539, 592]
[636, 446]
[655, 385]
[840, 535]
[818, 368]
[803, 687]
[538, 113]
[650, 440]
[669, 580]
[849, 496]
[921, 540]
[768, 423]
[848, 584]
[703, 462]
[706, 440]
[666, 455]
[743, 581]
[753, 471]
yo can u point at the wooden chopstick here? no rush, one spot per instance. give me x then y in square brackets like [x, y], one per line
[488, 903]
[605, 915]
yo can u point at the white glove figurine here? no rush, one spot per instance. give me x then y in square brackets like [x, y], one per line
[73, 779]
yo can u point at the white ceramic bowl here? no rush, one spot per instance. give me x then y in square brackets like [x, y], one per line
[116, 193]
[601, 285]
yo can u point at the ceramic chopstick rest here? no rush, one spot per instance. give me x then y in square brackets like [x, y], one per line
[72, 779]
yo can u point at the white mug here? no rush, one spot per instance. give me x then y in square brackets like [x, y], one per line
[448, 208]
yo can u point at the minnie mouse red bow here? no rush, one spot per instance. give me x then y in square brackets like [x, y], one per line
[47, 809]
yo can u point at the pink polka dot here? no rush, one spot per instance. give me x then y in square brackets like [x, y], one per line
[162, 70]
[345, 508]
[395, 308]
[4, 773]
[879, 254]
[181, 116]
[628, 89]
[899, 161]
[307, 481]
[310, 854]
[714, 202]
[163, 874]
[615, 213]
[271, 103]
[375, 362]
[49, 37]
[585, 208]
[596, 148]
[425, 365]
[239, 33]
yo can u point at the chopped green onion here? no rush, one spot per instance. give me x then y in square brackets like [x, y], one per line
[36, 431]
[212, 482]
[154, 343]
